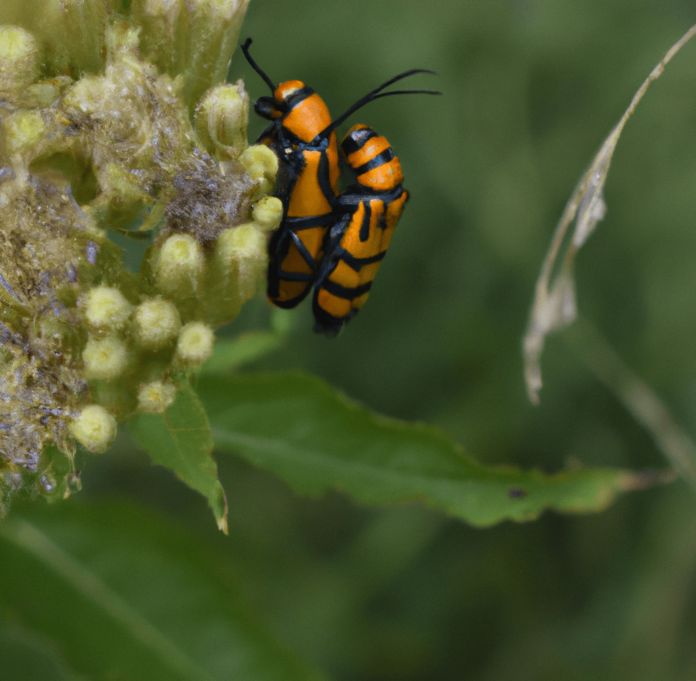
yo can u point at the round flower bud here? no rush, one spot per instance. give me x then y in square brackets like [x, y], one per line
[179, 267]
[24, 130]
[105, 358]
[195, 344]
[156, 323]
[88, 95]
[221, 120]
[155, 397]
[19, 59]
[94, 428]
[268, 213]
[241, 252]
[106, 309]
[261, 164]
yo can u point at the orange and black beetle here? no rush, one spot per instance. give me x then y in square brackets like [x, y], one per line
[303, 138]
[307, 183]
[358, 242]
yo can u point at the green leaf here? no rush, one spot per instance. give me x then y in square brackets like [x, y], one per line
[180, 440]
[316, 439]
[28, 657]
[116, 593]
[231, 354]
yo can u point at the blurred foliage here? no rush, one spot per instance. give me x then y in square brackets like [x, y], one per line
[532, 88]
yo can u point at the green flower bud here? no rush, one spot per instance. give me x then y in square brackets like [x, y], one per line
[156, 323]
[94, 428]
[241, 252]
[88, 94]
[155, 397]
[106, 309]
[268, 213]
[221, 121]
[30, 134]
[105, 358]
[24, 131]
[180, 267]
[211, 29]
[19, 60]
[195, 344]
[261, 164]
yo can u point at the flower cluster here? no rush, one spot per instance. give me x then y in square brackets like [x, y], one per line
[114, 117]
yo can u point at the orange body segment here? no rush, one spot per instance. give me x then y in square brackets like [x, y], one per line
[373, 147]
[308, 118]
[333, 305]
[289, 291]
[307, 199]
[345, 275]
[368, 272]
[384, 177]
[332, 157]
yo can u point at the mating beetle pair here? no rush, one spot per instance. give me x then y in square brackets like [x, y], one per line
[332, 241]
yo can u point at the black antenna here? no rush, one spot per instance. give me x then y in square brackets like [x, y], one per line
[255, 66]
[371, 96]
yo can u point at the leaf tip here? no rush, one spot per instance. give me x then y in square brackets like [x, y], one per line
[222, 525]
[220, 510]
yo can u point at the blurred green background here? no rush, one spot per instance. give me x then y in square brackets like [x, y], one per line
[531, 87]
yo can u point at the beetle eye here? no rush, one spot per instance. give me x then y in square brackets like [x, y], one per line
[267, 107]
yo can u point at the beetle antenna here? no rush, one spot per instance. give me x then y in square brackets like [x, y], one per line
[371, 96]
[256, 67]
